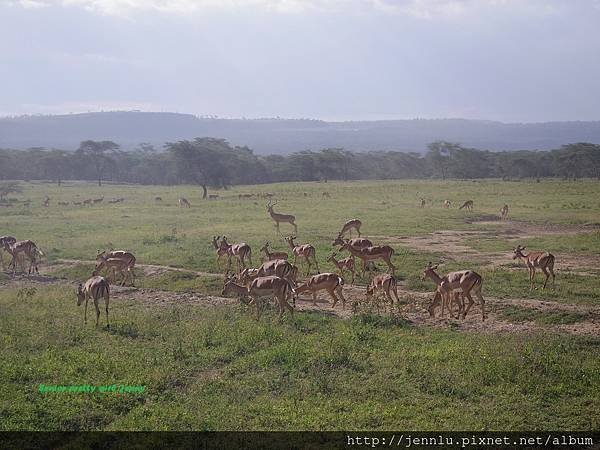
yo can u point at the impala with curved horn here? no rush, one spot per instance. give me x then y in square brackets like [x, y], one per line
[281, 218]
[536, 260]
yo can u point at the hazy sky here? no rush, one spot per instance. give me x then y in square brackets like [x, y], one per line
[509, 60]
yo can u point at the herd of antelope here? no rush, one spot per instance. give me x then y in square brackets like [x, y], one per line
[277, 276]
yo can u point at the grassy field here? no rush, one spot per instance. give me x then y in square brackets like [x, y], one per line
[215, 368]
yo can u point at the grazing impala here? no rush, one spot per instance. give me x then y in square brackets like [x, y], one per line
[447, 204]
[466, 280]
[384, 283]
[468, 205]
[281, 218]
[438, 298]
[127, 258]
[305, 251]
[5, 241]
[348, 226]
[270, 256]
[184, 202]
[114, 265]
[344, 264]
[504, 213]
[280, 268]
[239, 251]
[541, 260]
[330, 282]
[28, 248]
[96, 288]
[261, 287]
[373, 253]
[220, 251]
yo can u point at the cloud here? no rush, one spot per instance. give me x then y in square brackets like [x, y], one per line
[30, 4]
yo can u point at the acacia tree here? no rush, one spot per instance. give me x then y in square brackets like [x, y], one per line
[99, 153]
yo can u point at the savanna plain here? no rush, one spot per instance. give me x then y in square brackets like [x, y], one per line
[207, 364]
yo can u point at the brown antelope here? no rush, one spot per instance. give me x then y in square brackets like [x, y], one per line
[272, 255]
[447, 204]
[239, 251]
[261, 287]
[126, 268]
[184, 202]
[439, 298]
[77, 203]
[29, 249]
[5, 241]
[373, 253]
[468, 205]
[281, 218]
[87, 201]
[384, 283]
[241, 196]
[213, 196]
[63, 203]
[326, 195]
[504, 213]
[348, 226]
[220, 251]
[248, 275]
[305, 251]
[158, 199]
[46, 202]
[466, 280]
[98, 200]
[534, 260]
[114, 265]
[357, 243]
[344, 264]
[330, 282]
[280, 268]
[96, 288]
[422, 202]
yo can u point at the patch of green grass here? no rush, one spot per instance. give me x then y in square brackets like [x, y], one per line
[519, 314]
[581, 243]
[218, 369]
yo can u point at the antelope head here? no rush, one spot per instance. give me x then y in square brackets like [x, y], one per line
[518, 252]
[339, 240]
[215, 242]
[429, 269]
[80, 294]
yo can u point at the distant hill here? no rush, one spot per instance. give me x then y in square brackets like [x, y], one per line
[266, 136]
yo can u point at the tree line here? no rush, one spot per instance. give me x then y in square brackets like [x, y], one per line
[212, 162]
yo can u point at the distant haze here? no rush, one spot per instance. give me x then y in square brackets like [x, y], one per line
[266, 136]
[503, 60]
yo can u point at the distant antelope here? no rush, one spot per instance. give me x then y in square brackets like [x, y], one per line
[330, 282]
[98, 200]
[63, 203]
[241, 196]
[213, 196]
[5, 242]
[344, 264]
[158, 199]
[87, 201]
[102, 261]
[349, 226]
[384, 283]
[273, 255]
[220, 251]
[504, 213]
[326, 195]
[239, 251]
[46, 202]
[306, 251]
[261, 287]
[542, 260]
[466, 280]
[96, 288]
[384, 252]
[184, 202]
[468, 205]
[281, 218]
[447, 204]
[29, 249]
[422, 202]
[77, 203]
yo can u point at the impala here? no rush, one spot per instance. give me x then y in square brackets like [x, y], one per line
[281, 218]
[213, 196]
[344, 264]
[330, 282]
[466, 280]
[261, 287]
[158, 199]
[239, 251]
[220, 251]
[357, 243]
[468, 205]
[422, 202]
[184, 202]
[46, 202]
[87, 201]
[114, 265]
[127, 258]
[326, 195]
[96, 288]
[373, 253]
[534, 260]
[280, 268]
[447, 204]
[272, 255]
[438, 298]
[504, 213]
[5, 241]
[98, 200]
[384, 283]
[63, 203]
[305, 251]
[348, 226]
[28, 248]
